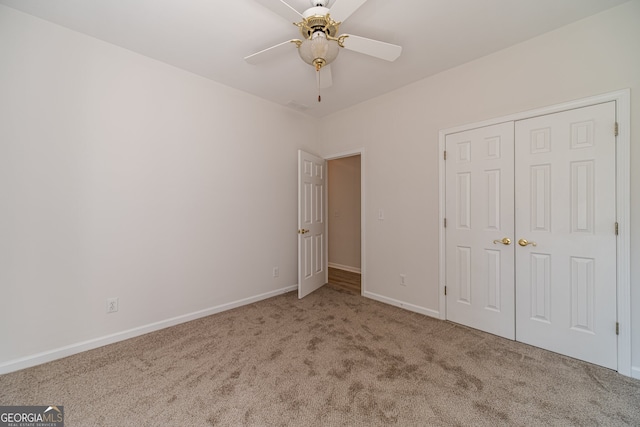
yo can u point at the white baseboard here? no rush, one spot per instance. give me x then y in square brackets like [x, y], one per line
[401, 304]
[59, 353]
[635, 372]
[344, 267]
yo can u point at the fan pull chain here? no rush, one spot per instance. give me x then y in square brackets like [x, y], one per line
[318, 82]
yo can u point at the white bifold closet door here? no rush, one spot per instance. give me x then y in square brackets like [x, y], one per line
[530, 237]
[566, 203]
[479, 212]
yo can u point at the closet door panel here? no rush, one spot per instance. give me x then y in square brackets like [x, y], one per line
[479, 212]
[566, 212]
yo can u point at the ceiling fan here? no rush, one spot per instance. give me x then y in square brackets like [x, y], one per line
[321, 42]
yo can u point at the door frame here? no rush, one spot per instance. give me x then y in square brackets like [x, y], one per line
[350, 153]
[623, 205]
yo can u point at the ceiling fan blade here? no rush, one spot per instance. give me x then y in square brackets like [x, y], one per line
[282, 8]
[342, 9]
[326, 80]
[269, 53]
[387, 51]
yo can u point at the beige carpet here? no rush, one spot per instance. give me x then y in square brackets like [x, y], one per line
[330, 359]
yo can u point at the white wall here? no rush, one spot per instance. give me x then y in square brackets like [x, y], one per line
[344, 212]
[121, 176]
[400, 134]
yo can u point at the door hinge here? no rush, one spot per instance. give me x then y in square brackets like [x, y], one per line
[445, 223]
[445, 290]
[615, 129]
[445, 154]
[617, 328]
[616, 228]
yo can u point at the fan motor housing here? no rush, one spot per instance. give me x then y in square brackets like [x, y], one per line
[318, 19]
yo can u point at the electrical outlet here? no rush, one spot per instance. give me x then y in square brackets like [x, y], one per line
[112, 305]
[403, 280]
[276, 272]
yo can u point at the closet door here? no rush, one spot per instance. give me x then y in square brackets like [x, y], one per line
[565, 233]
[480, 229]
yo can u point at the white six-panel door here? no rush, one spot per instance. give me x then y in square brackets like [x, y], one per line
[312, 244]
[554, 284]
[479, 206]
[566, 206]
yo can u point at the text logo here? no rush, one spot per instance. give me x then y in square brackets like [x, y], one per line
[31, 416]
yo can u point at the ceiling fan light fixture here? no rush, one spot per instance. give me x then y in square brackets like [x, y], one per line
[321, 40]
[318, 50]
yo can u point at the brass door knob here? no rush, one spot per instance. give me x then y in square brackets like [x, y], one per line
[505, 241]
[525, 242]
[302, 231]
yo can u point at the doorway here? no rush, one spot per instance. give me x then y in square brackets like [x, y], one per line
[344, 187]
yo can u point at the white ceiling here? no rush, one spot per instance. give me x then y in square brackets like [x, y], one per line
[211, 37]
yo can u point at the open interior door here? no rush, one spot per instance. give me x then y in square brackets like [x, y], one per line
[312, 224]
